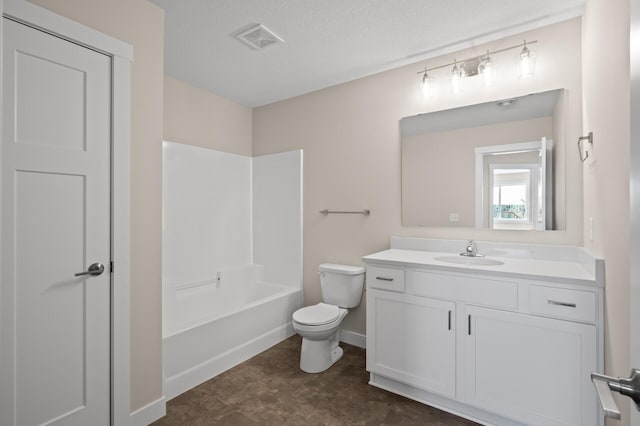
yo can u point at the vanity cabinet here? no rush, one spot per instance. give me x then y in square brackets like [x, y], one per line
[527, 367]
[499, 350]
[413, 340]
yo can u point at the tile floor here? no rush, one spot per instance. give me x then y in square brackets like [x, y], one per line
[270, 389]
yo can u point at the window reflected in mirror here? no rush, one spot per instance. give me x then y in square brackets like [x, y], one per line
[512, 198]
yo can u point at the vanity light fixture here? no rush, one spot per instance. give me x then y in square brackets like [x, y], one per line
[482, 65]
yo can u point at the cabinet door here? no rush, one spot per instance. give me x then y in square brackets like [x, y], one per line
[531, 369]
[412, 339]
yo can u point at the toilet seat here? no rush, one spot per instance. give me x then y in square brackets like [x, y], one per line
[319, 314]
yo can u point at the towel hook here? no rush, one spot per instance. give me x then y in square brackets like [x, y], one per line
[583, 151]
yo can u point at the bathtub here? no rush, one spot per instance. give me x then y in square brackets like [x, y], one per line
[210, 327]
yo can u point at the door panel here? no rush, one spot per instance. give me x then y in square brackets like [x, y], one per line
[54, 326]
[49, 302]
[527, 367]
[38, 100]
[413, 340]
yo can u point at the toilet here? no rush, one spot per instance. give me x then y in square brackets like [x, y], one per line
[319, 325]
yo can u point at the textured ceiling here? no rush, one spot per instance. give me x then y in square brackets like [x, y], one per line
[327, 42]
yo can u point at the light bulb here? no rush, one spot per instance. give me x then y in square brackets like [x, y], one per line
[487, 69]
[526, 62]
[457, 78]
[426, 87]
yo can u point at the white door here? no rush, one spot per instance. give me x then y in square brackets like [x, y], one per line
[55, 194]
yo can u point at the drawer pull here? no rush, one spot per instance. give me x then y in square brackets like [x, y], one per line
[469, 324]
[384, 279]
[449, 319]
[558, 303]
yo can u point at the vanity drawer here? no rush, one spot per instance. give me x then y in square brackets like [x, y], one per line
[385, 278]
[482, 291]
[563, 303]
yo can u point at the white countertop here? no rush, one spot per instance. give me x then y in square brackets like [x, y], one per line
[563, 271]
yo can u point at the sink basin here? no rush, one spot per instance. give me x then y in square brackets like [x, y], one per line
[466, 260]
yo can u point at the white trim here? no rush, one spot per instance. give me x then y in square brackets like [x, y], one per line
[353, 338]
[634, 193]
[149, 413]
[508, 147]
[122, 54]
[182, 382]
[49, 22]
[120, 241]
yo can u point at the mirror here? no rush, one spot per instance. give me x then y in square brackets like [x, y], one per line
[493, 165]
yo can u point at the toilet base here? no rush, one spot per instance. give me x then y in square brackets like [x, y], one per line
[336, 354]
[318, 355]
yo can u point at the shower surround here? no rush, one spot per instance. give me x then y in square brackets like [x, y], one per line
[232, 258]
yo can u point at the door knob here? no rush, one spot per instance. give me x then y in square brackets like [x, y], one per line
[94, 270]
[629, 387]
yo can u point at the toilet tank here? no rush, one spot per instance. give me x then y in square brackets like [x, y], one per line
[341, 285]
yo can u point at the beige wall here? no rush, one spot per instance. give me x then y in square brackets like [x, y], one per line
[197, 117]
[606, 187]
[141, 24]
[351, 141]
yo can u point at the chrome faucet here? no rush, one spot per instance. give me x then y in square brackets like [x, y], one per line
[470, 250]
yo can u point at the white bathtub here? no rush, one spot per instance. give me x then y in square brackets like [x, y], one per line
[213, 327]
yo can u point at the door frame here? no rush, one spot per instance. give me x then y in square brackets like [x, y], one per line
[121, 57]
[634, 184]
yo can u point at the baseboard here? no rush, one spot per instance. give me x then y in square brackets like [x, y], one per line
[182, 382]
[353, 338]
[149, 413]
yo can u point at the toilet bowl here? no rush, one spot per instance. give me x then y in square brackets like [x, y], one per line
[319, 325]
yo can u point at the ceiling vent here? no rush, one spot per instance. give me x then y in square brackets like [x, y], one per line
[258, 37]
